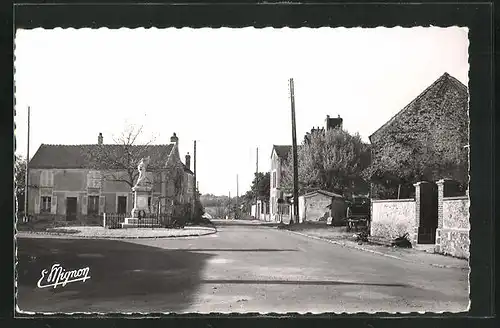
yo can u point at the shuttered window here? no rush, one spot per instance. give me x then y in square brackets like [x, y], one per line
[46, 205]
[46, 179]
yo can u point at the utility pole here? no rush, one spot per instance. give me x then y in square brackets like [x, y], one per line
[195, 191]
[257, 214]
[26, 178]
[229, 206]
[237, 197]
[295, 165]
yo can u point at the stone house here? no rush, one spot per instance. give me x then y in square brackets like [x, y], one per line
[425, 141]
[320, 204]
[66, 181]
[412, 154]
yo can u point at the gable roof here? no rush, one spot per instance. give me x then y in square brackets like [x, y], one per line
[282, 150]
[79, 156]
[442, 81]
[323, 192]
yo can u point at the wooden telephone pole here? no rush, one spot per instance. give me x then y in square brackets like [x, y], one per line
[295, 165]
[257, 214]
[26, 179]
[237, 198]
[195, 191]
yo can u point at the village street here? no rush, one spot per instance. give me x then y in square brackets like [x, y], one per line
[245, 267]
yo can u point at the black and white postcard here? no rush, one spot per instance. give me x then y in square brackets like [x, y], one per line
[238, 170]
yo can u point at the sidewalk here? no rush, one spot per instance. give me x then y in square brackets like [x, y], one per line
[339, 237]
[130, 233]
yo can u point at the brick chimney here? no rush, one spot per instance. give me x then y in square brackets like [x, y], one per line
[99, 139]
[188, 161]
[174, 139]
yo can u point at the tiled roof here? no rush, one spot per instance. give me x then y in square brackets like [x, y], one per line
[85, 156]
[441, 81]
[323, 192]
[282, 150]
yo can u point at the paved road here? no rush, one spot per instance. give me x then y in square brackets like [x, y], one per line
[243, 268]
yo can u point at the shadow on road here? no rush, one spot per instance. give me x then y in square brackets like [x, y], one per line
[298, 282]
[244, 223]
[123, 276]
[241, 250]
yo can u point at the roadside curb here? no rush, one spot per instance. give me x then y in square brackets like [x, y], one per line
[347, 245]
[30, 234]
[443, 266]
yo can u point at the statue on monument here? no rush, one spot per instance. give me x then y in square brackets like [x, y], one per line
[143, 165]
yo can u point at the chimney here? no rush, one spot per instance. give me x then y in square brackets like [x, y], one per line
[99, 139]
[174, 139]
[188, 161]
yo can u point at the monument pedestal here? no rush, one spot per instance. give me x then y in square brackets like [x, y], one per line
[141, 195]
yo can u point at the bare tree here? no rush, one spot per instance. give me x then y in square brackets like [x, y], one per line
[118, 162]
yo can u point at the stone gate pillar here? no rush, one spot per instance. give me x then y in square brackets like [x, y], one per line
[440, 185]
[414, 237]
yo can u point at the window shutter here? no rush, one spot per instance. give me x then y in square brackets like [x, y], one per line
[84, 205]
[37, 204]
[51, 178]
[53, 208]
[102, 204]
[42, 178]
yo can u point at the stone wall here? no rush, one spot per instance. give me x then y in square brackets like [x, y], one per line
[392, 218]
[453, 234]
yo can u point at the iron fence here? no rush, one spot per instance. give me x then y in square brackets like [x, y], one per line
[144, 220]
[113, 220]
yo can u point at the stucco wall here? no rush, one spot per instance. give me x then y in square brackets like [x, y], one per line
[316, 207]
[392, 218]
[453, 237]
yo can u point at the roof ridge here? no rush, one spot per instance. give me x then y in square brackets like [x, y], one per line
[444, 77]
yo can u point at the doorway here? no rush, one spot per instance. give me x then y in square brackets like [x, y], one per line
[428, 213]
[122, 205]
[71, 208]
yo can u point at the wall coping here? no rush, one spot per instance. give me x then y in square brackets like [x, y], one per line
[408, 200]
[456, 198]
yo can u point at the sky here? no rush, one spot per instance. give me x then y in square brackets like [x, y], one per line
[225, 88]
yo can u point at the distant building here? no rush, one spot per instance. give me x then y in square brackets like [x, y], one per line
[330, 123]
[67, 182]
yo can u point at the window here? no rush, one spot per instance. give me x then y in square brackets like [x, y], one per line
[274, 179]
[46, 179]
[286, 209]
[46, 204]
[267, 208]
[93, 205]
[149, 202]
[94, 179]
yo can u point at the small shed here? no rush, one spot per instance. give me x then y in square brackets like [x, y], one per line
[317, 206]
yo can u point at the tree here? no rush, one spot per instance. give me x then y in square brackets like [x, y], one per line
[331, 160]
[261, 185]
[118, 162]
[20, 180]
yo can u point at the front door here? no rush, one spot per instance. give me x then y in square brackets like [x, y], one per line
[71, 208]
[122, 204]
